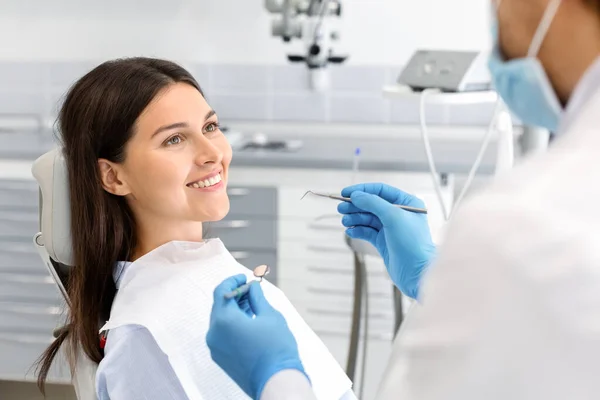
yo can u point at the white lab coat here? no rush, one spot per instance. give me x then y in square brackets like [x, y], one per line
[511, 309]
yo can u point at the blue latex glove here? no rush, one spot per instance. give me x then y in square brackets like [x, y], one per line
[252, 343]
[402, 238]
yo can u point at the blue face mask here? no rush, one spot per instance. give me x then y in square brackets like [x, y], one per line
[523, 84]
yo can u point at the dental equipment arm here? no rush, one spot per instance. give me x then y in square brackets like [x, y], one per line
[314, 22]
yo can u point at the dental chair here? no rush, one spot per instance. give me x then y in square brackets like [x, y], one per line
[54, 245]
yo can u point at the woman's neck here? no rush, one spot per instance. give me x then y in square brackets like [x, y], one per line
[153, 234]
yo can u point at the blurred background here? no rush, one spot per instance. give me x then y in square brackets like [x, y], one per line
[320, 110]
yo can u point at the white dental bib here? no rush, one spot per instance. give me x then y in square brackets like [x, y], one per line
[169, 291]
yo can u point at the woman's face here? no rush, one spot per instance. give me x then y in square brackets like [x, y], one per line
[176, 163]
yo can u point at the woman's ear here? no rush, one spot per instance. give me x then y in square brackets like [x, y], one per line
[111, 177]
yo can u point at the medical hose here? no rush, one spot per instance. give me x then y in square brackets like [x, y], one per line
[484, 144]
[432, 169]
[429, 153]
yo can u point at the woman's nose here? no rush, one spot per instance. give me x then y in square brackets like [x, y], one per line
[208, 153]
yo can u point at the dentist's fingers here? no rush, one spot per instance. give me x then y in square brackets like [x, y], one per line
[361, 219]
[363, 233]
[229, 284]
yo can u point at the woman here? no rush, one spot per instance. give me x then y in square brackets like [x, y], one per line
[510, 307]
[147, 166]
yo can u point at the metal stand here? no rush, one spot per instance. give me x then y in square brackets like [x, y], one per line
[361, 294]
[398, 310]
[356, 313]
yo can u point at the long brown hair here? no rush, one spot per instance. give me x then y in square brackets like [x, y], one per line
[97, 120]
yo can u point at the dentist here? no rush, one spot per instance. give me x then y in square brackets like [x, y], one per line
[509, 308]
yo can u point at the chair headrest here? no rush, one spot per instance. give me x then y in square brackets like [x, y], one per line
[50, 171]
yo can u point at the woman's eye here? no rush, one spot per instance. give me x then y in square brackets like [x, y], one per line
[212, 127]
[174, 140]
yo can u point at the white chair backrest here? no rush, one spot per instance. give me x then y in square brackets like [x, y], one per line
[50, 171]
[54, 243]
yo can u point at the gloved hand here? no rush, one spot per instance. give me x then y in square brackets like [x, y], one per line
[402, 237]
[250, 344]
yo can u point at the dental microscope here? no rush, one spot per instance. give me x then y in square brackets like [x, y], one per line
[314, 22]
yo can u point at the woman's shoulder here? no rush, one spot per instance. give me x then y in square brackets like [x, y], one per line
[134, 365]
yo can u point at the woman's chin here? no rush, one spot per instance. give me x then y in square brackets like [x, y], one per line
[213, 215]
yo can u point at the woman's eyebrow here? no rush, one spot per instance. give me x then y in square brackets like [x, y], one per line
[180, 124]
[169, 127]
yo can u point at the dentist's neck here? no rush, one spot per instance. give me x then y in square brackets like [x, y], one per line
[571, 46]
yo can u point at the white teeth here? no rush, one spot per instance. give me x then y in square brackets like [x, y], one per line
[207, 182]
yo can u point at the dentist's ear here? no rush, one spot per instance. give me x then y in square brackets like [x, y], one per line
[111, 179]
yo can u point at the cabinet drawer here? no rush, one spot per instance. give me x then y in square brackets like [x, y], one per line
[325, 322]
[18, 194]
[323, 276]
[19, 224]
[323, 253]
[23, 145]
[342, 304]
[19, 256]
[291, 203]
[253, 201]
[27, 288]
[330, 233]
[19, 353]
[30, 318]
[329, 256]
[245, 234]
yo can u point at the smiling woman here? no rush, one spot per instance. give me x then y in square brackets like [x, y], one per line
[147, 165]
[168, 177]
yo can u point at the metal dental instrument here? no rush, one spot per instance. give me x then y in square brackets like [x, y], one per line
[340, 198]
[260, 272]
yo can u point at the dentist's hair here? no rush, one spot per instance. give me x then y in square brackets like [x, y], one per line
[97, 120]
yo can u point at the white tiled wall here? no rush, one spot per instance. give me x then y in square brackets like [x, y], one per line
[250, 93]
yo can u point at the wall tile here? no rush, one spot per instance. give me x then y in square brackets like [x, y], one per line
[472, 114]
[53, 101]
[201, 73]
[22, 102]
[236, 79]
[240, 107]
[392, 74]
[290, 78]
[358, 78]
[22, 75]
[311, 107]
[359, 109]
[61, 75]
[406, 111]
